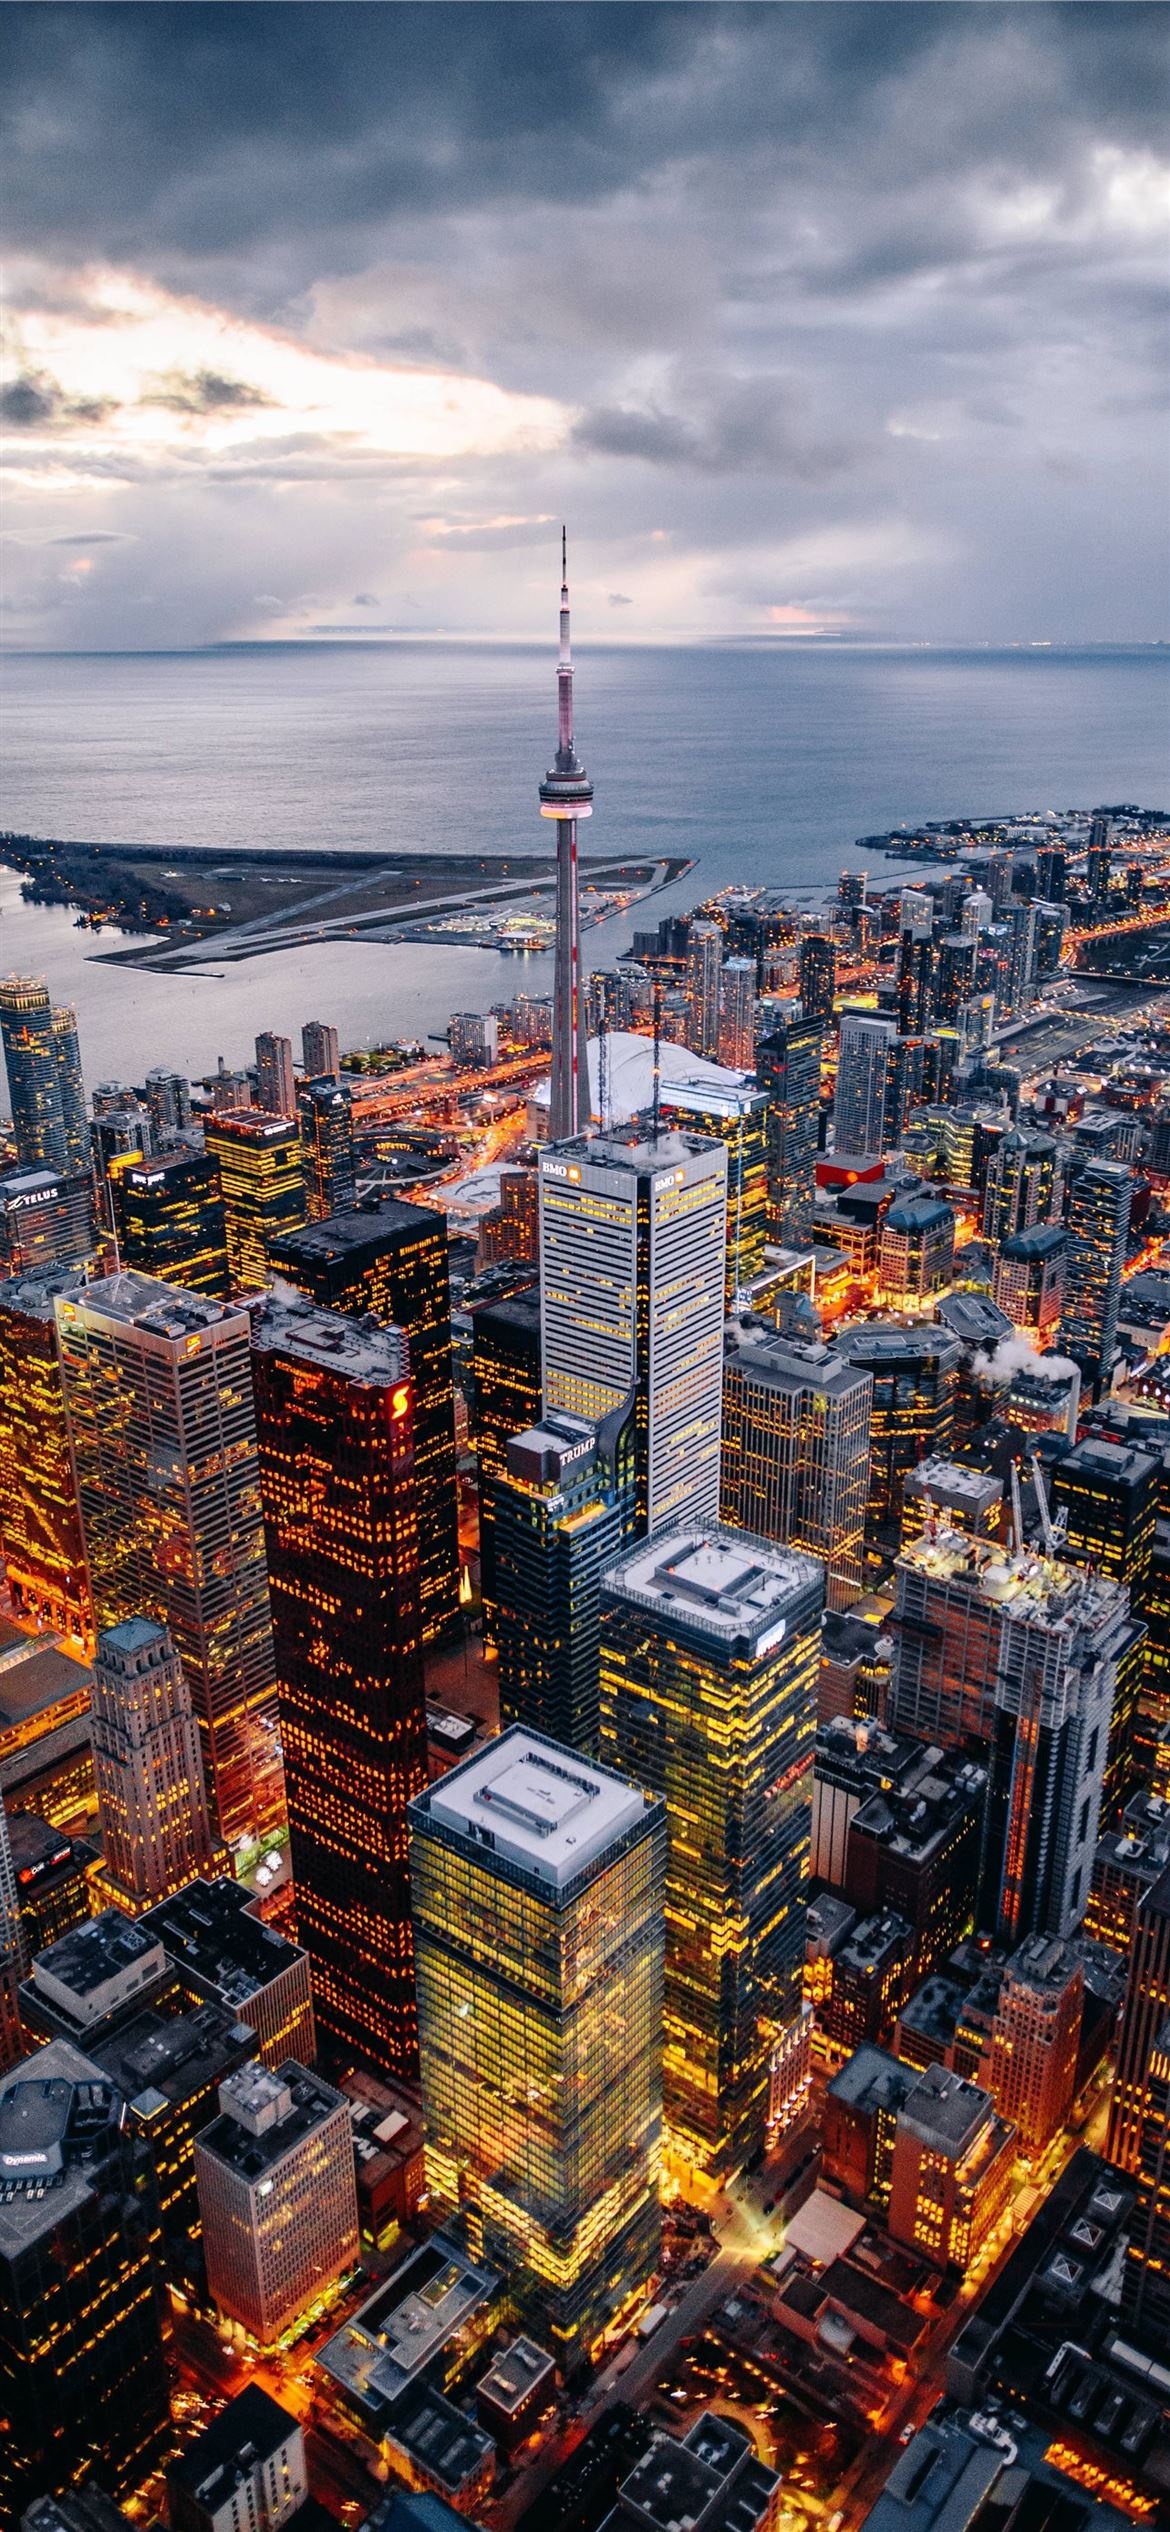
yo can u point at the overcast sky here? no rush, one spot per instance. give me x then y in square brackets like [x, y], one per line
[809, 318]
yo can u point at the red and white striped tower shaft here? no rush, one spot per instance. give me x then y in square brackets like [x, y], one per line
[566, 794]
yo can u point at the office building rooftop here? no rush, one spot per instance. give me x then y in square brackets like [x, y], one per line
[1040, 1589]
[535, 1804]
[723, 1584]
[207, 1929]
[946, 2111]
[404, 2326]
[324, 1340]
[264, 2113]
[85, 1963]
[158, 2059]
[785, 1362]
[59, 2117]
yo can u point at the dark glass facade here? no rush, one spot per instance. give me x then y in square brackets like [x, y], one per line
[788, 1067]
[563, 1507]
[83, 2374]
[171, 1221]
[390, 1260]
[340, 1512]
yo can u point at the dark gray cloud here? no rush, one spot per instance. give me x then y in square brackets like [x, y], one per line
[872, 294]
[203, 391]
[34, 402]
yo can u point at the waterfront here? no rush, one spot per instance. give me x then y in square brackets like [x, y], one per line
[765, 765]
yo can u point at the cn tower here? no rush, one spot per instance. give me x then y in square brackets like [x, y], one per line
[566, 794]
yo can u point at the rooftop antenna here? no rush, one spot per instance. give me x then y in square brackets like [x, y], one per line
[603, 1055]
[657, 1107]
[1042, 1501]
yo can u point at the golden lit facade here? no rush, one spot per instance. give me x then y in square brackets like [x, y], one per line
[170, 1220]
[158, 1391]
[340, 1509]
[952, 2170]
[538, 1893]
[40, 1527]
[262, 1180]
[710, 1644]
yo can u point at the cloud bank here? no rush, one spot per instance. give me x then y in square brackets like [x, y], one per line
[845, 320]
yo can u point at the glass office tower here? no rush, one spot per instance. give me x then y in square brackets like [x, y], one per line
[40, 1528]
[333, 1411]
[170, 1220]
[538, 1899]
[633, 1236]
[390, 1259]
[262, 1181]
[162, 1427]
[710, 1646]
[563, 1508]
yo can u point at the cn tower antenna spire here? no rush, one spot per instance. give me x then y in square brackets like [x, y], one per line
[566, 795]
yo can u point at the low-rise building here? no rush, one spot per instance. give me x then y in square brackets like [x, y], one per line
[434, 2446]
[862, 2102]
[915, 1850]
[710, 2482]
[222, 1952]
[94, 1980]
[245, 2473]
[966, 1498]
[872, 1976]
[426, 2323]
[1030, 2067]
[517, 2387]
[951, 2171]
[168, 2068]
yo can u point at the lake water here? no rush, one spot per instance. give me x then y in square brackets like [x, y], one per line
[764, 765]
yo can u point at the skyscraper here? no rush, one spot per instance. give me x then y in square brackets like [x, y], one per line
[262, 1181]
[1109, 1492]
[171, 1222]
[1098, 1228]
[1144, 2011]
[566, 795]
[1014, 1659]
[45, 1220]
[83, 2373]
[561, 1508]
[1028, 1281]
[168, 1097]
[704, 968]
[710, 1641]
[737, 1014]
[818, 976]
[1145, 2280]
[633, 1232]
[13, 1952]
[538, 1894]
[915, 969]
[277, 2196]
[390, 1259]
[40, 1528]
[1023, 1185]
[795, 1462]
[505, 1399]
[275, 1088]
[333, 1409]
[1030, 2063]
[864, 1094]
[320, 1050]
[44, 1078]
[158, 1392]
[737, 1115]
[788, 1068]
[148, 1767]
[325, 1112]
[915, 1375]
